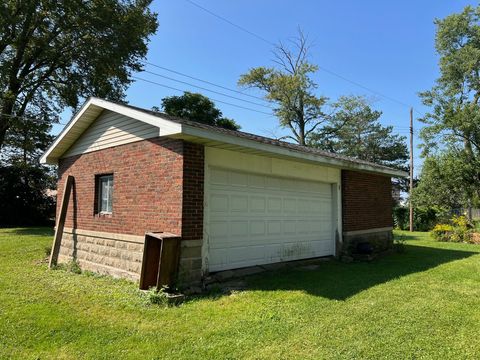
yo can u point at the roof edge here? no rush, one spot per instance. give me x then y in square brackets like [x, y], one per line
[172, 128]
[169, 126]
[252, 144]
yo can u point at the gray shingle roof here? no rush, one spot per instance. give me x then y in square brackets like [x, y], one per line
[262, 139]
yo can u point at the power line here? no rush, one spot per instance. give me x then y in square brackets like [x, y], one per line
[237, 91]
[400, 129]
[363, 87]
[216, 100]
[230, 22]
[320, 67]
[203, 88]
[204, 81]
[244, 94]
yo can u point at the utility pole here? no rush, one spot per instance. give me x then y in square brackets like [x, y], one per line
[411, 169]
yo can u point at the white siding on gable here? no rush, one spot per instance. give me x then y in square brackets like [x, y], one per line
[111, 129]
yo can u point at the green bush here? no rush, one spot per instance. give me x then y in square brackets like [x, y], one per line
[158, 297]
[400, 217]
[441, 232]
[424, 218]
[72, 266]
[24, 201]
[460, 230]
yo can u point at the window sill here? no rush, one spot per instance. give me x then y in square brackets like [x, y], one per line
[103, 215]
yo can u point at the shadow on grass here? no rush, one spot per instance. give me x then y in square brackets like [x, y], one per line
[339, 281]
[405, 237]
[31, 231]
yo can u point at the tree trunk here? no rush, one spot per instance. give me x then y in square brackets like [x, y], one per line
[301, 122]
[6, 110]
[469, 205]
[470, 156]
[3, 130]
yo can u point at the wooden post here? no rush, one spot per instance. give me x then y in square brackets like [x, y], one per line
[67, 190]
[411, 169]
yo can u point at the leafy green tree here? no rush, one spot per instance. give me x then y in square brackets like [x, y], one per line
[25, 200]
[24, 183]
[445, 181]
[227, 123]
[25, 142]
[197, 107]
[452, 134]
[52, 53]
[290, 88]
[354, 130]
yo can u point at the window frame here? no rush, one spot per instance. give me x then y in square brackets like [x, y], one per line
[99, 179]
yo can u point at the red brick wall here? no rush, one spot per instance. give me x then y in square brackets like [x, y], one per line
[366, 201]
[148, 187]
[193, 179]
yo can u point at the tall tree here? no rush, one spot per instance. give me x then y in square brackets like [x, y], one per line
[25, 141]
[290, 87]
[354, 130]
[24, 183]
[443, 180]
[54, 52]
[453, 124]
[197, 107]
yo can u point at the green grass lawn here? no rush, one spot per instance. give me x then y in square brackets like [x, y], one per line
[424, 303]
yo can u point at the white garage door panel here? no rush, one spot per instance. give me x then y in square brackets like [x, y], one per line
[257, 219]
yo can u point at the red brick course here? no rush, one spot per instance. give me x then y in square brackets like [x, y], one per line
[158, 186]
[366, 201]
[193, 183]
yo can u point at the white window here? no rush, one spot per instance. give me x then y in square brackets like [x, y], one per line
[105, 194]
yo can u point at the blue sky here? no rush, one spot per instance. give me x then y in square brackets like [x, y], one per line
[387, 46]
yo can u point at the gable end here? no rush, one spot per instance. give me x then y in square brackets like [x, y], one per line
[111, 129]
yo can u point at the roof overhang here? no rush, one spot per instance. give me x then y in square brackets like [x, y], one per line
[224, 141]
[94, 106]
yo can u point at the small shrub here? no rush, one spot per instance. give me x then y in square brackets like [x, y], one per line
[476, 225]
[424, 218]
[165, 296]
[48, 251]
[400, 217]
[158, 297]
[461, 221]
[72, 266]
[459, 231]
[441, 232]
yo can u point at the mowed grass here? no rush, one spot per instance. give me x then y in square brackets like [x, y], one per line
[424, 303]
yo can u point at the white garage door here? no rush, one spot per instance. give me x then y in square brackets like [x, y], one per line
[256, 219]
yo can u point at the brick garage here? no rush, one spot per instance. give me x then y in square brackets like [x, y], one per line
[158, 188]
[233, 198]
[148, 187]
[367, 210]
